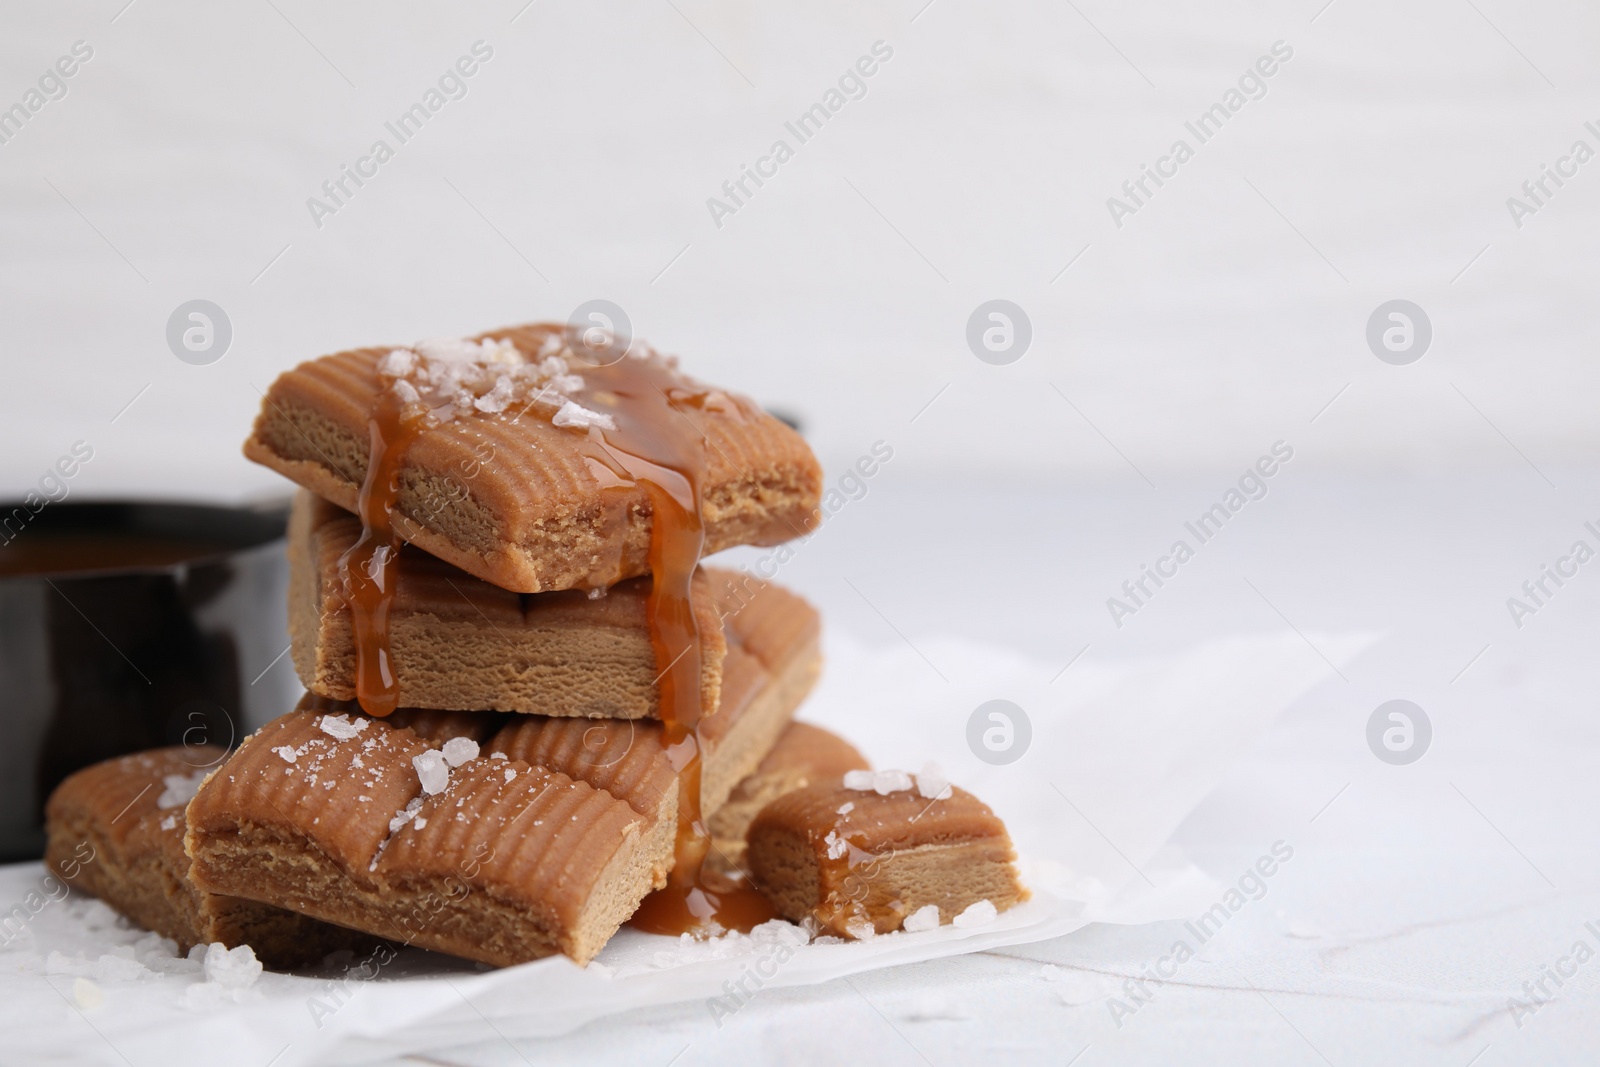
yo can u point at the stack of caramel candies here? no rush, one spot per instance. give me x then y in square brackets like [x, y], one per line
[532, 714]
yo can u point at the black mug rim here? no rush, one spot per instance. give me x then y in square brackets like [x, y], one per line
[232, 529]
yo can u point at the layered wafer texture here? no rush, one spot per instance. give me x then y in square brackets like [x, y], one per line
[519, 501]
[361, 823]
[116, 829]
[804, 754]
[457, 642]
[860, 862]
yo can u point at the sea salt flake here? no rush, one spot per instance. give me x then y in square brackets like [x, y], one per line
[497, 399]
[398, 363]
[837, 846]
[180, 789]
[170, 822]
[405, 391]
[449, 349]
[511, 772]
[978, 913]
[860, 929]
[288, 754]
[575, 414]
[340, 728]
[419, 822]
[846, 808]
[458, 750]
[924, 918]
[880, 782]
[498, 755]
[932, 784]
[403, 816]
[432, 771]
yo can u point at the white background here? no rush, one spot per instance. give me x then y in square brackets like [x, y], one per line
[1227, 314]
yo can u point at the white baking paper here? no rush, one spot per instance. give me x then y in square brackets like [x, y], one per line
[1120, 753]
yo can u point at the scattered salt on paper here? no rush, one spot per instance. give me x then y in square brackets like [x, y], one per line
[86, 995]
[458, 750]
[231, 968]
[432, 771]
[180, 789]
[979, 913]
[340, 728]
[924, 918]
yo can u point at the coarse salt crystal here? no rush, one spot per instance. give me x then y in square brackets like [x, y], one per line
[340, 728]
[403, 816]
[432, 771]
[847, 807]
[458, 750]
[235, 968]
[860, 929]
[498, 755]
[837, 846]
[978, 913]
[170, 822]
[286, 753]
[497, 399]
[511, 772]
[575, 414]
[419, 822]
[932, 784]
[880, 782]
[398, 363]
[405, 391]
[924, 918]
[179, 789]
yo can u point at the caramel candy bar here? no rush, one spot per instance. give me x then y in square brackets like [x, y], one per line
[358, 822]
[528, 465]
[457, 642]
[863, 862]
[115, 830]
[804, 754]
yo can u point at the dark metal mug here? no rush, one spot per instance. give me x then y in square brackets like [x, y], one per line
[96, 663]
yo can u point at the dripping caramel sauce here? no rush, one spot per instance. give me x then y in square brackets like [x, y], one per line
[654, 446]
[367, 568]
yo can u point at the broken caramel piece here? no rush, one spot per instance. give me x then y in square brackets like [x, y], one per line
[860, 862]
[357, 822]
[804, 754]
[115, 830]
[457, 642]
[509, 480]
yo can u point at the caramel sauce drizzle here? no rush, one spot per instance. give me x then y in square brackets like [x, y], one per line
[367, 567]
[655, 446]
